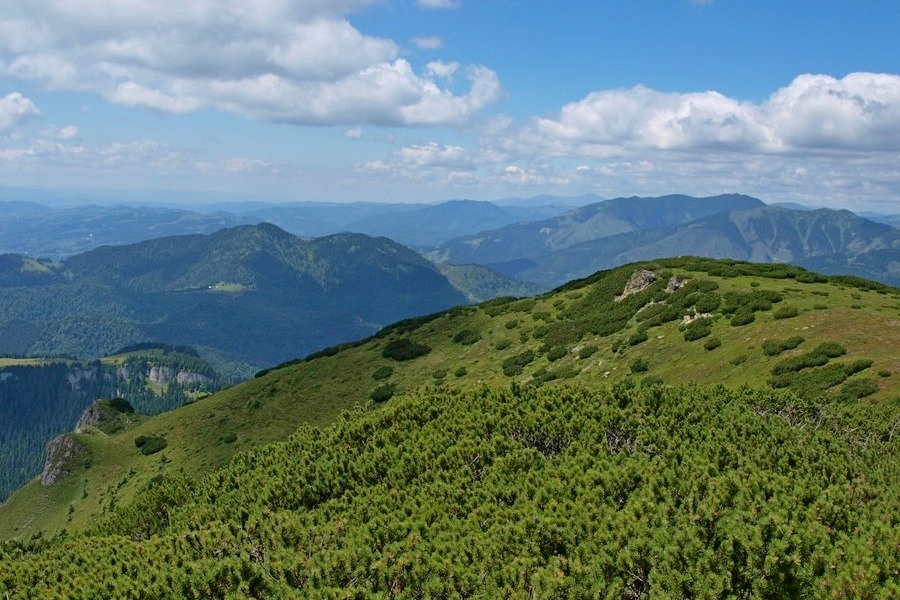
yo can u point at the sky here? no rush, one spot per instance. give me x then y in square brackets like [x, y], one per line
[428, 100]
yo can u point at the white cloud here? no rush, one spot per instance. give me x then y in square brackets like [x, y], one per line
[444, 70]
[435, 155]
[64, 134]
[432, 4]
[295, 61]
[122, 163]
[135, 94]
[860, 112]
[354, 133]
[432, 164]
[417, 158]
[428, 43]
[16, 109]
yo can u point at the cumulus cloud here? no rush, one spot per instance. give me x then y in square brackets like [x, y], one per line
[234, 166]
[860, 112]
[16, 109]
[432, 163]
[433, 155]
[297, 62]
[58, 151]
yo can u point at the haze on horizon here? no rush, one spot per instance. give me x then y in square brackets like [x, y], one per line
[426, 100]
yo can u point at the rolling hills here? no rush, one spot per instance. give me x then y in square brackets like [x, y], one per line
[554, 449]
[624, 230]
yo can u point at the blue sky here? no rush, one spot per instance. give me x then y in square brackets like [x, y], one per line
[424, 100]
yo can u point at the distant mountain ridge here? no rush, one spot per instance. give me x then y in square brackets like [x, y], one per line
[42, 231]
[624, 230]
[591, 222]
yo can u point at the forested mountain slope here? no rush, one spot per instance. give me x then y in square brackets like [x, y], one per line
[821, 351]
[247, 297]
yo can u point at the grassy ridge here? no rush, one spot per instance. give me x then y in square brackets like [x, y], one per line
[578, 333]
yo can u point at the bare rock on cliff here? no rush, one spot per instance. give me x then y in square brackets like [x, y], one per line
[638, 282]
[161, 375]
[63, 455]
[92, 416]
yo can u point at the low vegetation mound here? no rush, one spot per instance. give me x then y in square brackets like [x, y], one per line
[404, 349]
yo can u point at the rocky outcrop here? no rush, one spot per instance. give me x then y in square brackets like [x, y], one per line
[108, 416]
[92, 416]
[638, 282]
[63, 455]
[163, 375]
[675, 283]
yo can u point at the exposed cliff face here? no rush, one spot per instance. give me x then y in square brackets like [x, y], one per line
[63, 455]
[163, 375]
[78, 375]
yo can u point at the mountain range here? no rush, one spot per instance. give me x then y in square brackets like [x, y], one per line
[622, 230]
[538, 239]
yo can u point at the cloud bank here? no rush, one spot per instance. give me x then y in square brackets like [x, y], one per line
[819, 140]
[295, 61]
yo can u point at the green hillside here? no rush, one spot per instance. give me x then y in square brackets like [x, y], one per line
[553, 453]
